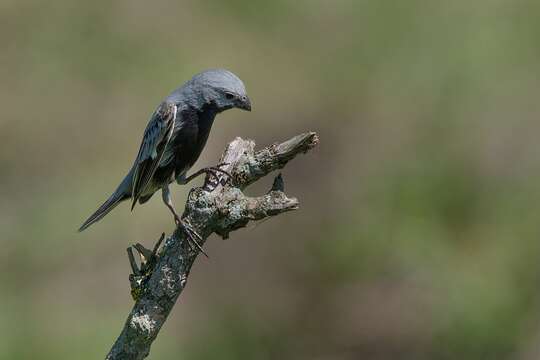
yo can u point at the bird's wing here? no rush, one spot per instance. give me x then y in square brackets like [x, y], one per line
[155, 140]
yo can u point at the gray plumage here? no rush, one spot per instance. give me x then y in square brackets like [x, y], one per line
[175, 137]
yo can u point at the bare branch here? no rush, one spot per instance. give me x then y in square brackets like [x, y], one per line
[214, 208]
[248, 166]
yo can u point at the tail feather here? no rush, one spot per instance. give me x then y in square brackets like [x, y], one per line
[104, 209]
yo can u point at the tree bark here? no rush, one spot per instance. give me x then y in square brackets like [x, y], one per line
[218, 207]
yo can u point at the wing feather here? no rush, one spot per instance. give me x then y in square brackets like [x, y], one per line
[156, 137]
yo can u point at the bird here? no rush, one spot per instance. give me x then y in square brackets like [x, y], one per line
[174, 139]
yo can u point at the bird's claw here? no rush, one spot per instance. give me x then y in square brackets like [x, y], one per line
[213, 170]
[192, 236]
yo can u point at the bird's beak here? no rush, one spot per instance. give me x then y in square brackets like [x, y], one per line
[245, 103]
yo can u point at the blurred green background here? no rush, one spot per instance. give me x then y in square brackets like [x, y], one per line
[418, 234]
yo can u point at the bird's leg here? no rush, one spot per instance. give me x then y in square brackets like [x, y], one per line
[166, 196]
[213, 170]
[191, 234]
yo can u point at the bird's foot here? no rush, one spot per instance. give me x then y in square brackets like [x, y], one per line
[191, 235]
[214, 171]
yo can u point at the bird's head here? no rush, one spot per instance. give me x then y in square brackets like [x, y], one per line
[220, 88]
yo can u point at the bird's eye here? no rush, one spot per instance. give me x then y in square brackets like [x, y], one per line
[229, 96]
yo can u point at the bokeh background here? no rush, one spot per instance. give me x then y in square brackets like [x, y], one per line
[418, 235]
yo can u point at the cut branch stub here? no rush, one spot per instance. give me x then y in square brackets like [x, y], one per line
[148, 259]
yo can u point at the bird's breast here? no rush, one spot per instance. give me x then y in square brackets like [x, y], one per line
[187, 142]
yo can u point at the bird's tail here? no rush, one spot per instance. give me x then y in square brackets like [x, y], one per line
[104, 209]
